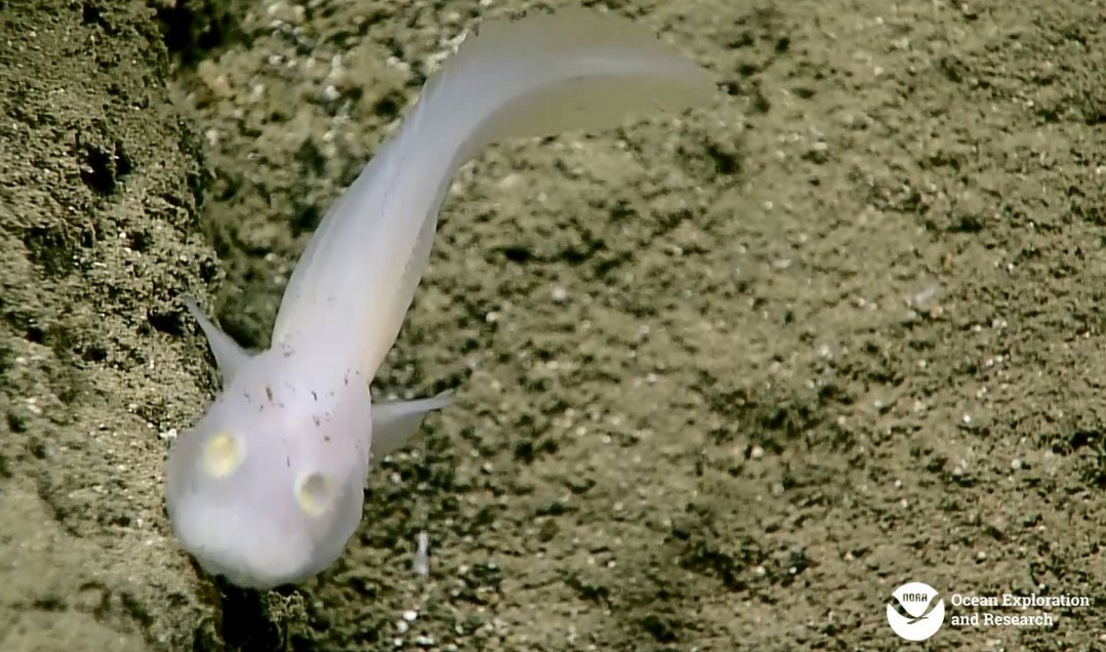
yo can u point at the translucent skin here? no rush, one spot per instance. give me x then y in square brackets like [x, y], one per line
[267, 488]
[295, 472]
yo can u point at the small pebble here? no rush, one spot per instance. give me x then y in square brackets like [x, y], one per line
[421, 563]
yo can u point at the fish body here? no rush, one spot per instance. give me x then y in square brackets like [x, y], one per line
[267, 488]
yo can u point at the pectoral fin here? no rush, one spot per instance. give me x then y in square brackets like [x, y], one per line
[395, 423]
[228, 355]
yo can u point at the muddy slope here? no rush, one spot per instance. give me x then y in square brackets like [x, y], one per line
[723, 383]
[99, 188]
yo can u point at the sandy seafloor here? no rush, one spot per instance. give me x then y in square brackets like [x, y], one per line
[722, 382]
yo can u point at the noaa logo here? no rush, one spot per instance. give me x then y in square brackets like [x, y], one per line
[916, 611]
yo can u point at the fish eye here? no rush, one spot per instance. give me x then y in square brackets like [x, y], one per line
[223, 454]
[314, 493]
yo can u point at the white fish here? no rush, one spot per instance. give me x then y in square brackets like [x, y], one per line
[267, 488]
